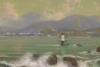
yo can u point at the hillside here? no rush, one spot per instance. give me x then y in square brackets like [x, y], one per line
[71, 23]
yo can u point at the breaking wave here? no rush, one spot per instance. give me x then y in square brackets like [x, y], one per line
[50, 60]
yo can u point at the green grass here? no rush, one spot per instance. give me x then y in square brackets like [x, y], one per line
[13, 45]
[16, 46]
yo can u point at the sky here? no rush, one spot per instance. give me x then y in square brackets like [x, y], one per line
[53, 9]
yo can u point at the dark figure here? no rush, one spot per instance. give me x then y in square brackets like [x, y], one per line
[62, 38]
[62, 43]
[52, 60]
[72, 62]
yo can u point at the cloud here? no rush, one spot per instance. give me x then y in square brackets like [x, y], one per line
[9, 10]
[65, 9]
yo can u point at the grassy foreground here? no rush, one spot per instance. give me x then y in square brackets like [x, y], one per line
[16, 45]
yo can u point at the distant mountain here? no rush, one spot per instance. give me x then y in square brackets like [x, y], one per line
[94, 30]
[71, 23]
[78, 22]
[12, 25]
[33, 23]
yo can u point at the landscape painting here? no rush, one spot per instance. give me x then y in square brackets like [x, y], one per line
[49, 33]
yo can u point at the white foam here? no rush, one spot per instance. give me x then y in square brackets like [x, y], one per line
[26, 60]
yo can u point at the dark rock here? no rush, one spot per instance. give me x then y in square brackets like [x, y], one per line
[98, 62]
[98, 49]
[88, 51]
[71, 61]
[4, 65]
[35, 56]
[52, 60]
[79, 45]
[23, 66]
